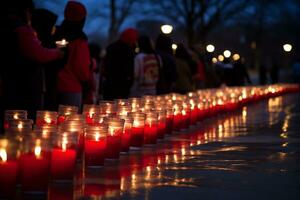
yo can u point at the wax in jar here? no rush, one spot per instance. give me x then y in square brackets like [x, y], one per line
[177, 121]
[113, 146]
[94, 152]
[8, 177]
[137, 137]
[161, 130]
[169, 124]
[63, 164]
[125, 143]
[150, 134]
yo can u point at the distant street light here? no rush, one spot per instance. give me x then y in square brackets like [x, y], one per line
[236, 57]
[214, 60]
[174, 46]
[287, 47]
[210, 48]
[227, 53]
[166, 29]
[221, 58]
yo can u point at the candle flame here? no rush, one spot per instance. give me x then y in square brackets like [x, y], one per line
[97, 136]
[111, 130]
[136, 123]
[16, 116]
[3, 155]
[64, 142]
[48, 120]
[20, 126]
[37, 151]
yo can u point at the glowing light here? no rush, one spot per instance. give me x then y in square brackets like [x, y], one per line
[3, 155]
[214, 60]
[236, 57]
[284, 135]
[221, 58]
[166, 29]
[48, 120]
[227, 53]
[37, 151]
[20, 126]
[174, 46]
[210, 48]
[16, 116]
[287, 47]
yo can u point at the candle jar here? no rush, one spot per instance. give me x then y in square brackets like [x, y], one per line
[107, 107]
[95, 146]
[99, 119]
[90, 110]
[8, 167]
[194, 111]
[186, 115]
[169, 119]
[150, 130]
[10, 115]
[126, 136]
[114, 137]
[135, 104]
[45, 131]
[34, 165]
[121, 102]
[46, 117]
[124, 110]
[137, 133]
[18, 127]
[161, 124]
[63, 156]
[76, 127]
[64, 111]
[177, 120]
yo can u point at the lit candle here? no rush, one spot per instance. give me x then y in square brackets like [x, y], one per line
[46, 117]
[114, 137]
[34, 167]
[150, 130]
[64, 111]
[89, 111]
[126, 136]
[161, 126]
[63, 157]
[95, 145]
[13, 115]
[137, 134]
[8, 171]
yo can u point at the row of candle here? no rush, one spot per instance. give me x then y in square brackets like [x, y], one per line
[103, 131]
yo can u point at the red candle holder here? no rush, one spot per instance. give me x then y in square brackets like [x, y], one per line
[63, 157]
[12, 115]
[46, 117]
[161, 125]
[150, 130]
[169, 120]
[178, 119]
[127, 131]
[8, 167]
[137, 134]
[34, 165]
[95, 145]
[114, 136]
[64, 111]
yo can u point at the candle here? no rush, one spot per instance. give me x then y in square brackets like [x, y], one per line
[34, 168]
[64, 111]
[137, 132]
[150, 130]
[13, 115]
[107, 107]
[8, 170]
[126, 136]
[46, 117]
[95, 145]
[63, 157]
[89, 111]
[115, 130]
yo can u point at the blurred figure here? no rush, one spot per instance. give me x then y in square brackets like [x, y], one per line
[23, 56]
[167, 71]
[274, 72]
[118, 66]
[225, 71]
[43, 21]
[73, 77]
[240, 73]
[184, 82]
[146, 69]
[199, 75]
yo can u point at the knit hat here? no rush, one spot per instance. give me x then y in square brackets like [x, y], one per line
[75, 11]
[129, 35]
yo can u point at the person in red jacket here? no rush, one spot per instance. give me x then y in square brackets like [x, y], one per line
[74, 75]
[21, 58]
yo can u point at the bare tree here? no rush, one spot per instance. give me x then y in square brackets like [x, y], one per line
[199, 17]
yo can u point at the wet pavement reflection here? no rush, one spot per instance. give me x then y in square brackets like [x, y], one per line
[253, 153]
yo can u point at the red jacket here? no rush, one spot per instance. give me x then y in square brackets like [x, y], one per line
[77, 69]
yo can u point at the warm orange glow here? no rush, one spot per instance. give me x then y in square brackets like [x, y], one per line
[37, 151]
[3, 155]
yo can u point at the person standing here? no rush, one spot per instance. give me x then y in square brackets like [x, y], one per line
[23, 55]
[73, 77]
[118, 66]
[146, 69]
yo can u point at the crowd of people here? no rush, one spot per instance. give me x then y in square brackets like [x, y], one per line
[36, 74]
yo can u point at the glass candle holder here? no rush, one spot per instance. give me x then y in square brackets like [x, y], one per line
[161, 123]
[123, 110]
[150, 129]
[99, 119]
[34, 165]
[63, 156]
[186, 115]
[89, 111]
[10, 115]
[177, 120]
[121, 102]
[169, 119]
[19, 126]
[95, 146]
[135, 104]
[107, 107]
[126, 136]
[8, 167]
[64, 111]
[137, 133]
[45, 131]
[114, 137]
[46, 117]
[75, 127]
